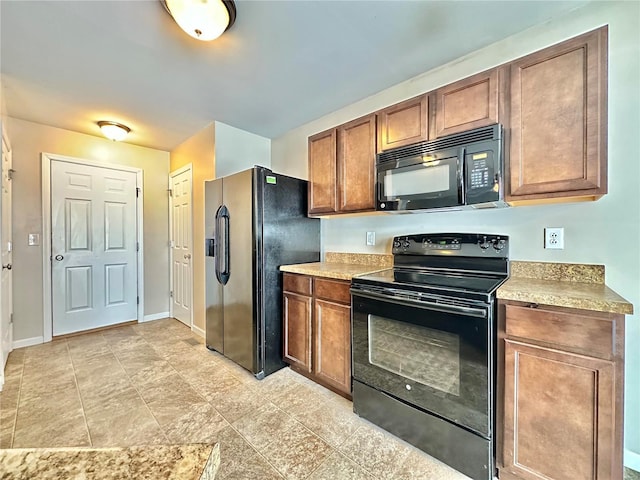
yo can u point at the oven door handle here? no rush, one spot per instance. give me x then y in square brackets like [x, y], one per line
[440, 307]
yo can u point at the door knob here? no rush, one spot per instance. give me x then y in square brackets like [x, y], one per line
[59, 257]
[187, 256]
[7, 266]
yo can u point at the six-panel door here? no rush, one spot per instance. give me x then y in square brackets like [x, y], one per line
[94, 273]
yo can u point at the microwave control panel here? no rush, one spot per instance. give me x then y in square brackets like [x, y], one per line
[479, 175]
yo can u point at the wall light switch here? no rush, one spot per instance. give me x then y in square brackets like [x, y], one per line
[34, 239]
[371, 238]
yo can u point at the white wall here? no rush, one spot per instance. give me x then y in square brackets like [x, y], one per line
[603, 232]
[238, 150]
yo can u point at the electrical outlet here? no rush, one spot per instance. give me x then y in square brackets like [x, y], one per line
[371, 238]
[554, 238]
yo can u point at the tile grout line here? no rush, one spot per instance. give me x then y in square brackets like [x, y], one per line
[75, 380]
[136, 388]
[15, 418]
[304, 427]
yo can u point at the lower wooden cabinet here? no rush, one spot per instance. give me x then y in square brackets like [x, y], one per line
[317, 329]
[560, 409]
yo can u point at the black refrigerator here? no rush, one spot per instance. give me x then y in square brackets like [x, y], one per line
[256, 220]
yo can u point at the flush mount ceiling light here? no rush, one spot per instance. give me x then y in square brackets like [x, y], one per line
[202, 19]
[113, 130]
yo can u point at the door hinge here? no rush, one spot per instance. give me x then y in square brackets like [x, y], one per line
[171, 294]
[10, 173]
[137, 300]
[10, 318]
[137, 191]
[137, 246]
[170, 192]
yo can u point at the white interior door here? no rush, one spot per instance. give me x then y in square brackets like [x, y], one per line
[93, 246]
[181, 248]
[6, 277]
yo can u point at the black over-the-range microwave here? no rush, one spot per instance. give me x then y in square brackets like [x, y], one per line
[456, 171]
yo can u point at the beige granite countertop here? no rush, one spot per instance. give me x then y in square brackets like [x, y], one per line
[342, 266]
[179, 462]
[562, 285]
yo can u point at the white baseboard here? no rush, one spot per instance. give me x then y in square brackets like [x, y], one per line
[27, 342]
[197, 331]
[154, 316]
[632, 460]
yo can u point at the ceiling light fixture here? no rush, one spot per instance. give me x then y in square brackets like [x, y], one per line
[113, 130]
[202, 19]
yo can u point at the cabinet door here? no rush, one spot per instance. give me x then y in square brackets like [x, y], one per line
[467, 104]
[356, 164]
[332, 344]
[297, 330]
[559, 121]
[404, 123]
[558, 415]
[322, 172]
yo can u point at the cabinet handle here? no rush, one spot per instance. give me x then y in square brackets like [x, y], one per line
[533, 305]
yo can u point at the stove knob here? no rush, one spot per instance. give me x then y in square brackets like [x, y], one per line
[498, 245]
[406, 244]
[484, 244]
[396, 244]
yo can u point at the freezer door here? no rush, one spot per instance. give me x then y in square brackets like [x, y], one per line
[214, 328]
[239, 313]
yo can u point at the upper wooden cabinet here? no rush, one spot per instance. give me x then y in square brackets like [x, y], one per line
[322, 172]
[356, 164]
[404, 123]
[342, 168]
[558, 121]
[467, 104]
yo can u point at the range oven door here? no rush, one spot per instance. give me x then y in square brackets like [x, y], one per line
[421, 182]
[433, 356]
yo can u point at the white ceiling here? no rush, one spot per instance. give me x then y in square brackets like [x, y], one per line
[283, 63]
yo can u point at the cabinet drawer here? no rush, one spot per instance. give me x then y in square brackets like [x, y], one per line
[335, 290]
[582, 331]
[297, 284]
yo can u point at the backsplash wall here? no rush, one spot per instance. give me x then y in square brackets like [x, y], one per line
[602, 232]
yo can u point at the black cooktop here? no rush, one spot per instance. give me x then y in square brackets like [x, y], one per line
[463, 265]
[422, 280]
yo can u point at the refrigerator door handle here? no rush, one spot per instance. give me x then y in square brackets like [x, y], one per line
[222, 234]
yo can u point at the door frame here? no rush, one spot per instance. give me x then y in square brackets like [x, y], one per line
[47, 305]
[186, 168]
[5, 141]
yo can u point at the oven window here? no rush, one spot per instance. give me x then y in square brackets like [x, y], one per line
[430, 357]
[415, 181]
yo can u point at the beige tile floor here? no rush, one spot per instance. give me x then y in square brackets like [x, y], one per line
[157, 383]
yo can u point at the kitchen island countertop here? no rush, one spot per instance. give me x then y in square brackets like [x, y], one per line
[179, 462]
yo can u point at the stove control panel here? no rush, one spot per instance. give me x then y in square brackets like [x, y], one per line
[452, 244]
